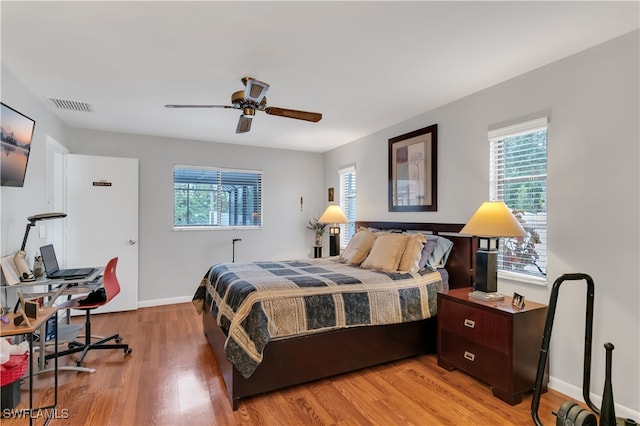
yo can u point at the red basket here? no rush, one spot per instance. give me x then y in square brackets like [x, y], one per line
[13, 369]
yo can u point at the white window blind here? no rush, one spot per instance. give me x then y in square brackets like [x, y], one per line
[518, 176]
[215, 197]
[348, 203]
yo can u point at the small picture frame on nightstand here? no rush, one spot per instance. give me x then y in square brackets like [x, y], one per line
[517, 301]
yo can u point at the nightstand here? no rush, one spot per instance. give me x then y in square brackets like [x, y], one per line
[492, 341]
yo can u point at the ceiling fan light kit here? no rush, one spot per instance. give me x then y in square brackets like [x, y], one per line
[251, 99]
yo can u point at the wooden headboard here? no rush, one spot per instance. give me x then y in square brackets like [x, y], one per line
[462, 260]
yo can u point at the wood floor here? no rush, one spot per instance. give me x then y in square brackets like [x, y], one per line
[171, 378]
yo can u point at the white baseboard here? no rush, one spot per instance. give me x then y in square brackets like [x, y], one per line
[576, 393]
[161, 302]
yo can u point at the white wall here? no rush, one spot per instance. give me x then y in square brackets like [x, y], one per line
[593, 195]
[173, 262]
[16, 204]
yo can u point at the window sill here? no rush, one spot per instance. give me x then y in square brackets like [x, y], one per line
[215, 228]
[522, 278]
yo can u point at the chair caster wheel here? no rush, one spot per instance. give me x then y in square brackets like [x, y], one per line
[128, 351]
[118, 339]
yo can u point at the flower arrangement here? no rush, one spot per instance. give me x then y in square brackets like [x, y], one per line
[318, 229]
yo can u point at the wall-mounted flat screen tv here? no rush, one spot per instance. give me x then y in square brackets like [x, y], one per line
[16, 132]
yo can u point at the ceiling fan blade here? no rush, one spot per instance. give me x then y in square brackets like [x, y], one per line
[244, 124]
[255, 90]
[198, 106]
[292, 113]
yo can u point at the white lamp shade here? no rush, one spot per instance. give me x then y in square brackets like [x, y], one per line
[333, 214]
[494, 219]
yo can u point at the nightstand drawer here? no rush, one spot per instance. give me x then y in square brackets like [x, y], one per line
[480, 361]
[489, 329]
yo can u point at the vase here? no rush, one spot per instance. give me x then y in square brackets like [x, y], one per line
[318, 242]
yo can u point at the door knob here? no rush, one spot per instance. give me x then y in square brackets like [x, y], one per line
[132, 242]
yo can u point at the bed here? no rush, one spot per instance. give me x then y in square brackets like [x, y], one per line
[257, 350]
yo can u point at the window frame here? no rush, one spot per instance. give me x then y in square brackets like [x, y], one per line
[496, 136]
[349, 212]
[218, 212]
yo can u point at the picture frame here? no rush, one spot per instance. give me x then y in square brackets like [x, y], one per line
[413, 173]
[21, 316]
[517, 301]
[15, 142]
[330, 194]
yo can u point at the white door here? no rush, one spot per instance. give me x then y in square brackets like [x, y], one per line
[102, 220]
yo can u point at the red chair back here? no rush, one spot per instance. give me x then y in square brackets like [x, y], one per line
[111, 284]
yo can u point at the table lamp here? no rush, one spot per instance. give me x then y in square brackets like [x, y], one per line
[333, 215]
[19, 259]
[490, 222]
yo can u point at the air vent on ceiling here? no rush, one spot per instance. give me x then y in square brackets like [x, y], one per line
[71, 105]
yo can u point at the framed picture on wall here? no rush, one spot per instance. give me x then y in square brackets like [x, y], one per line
[413, 171]
[16, 131]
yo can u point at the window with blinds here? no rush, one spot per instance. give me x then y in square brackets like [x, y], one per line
[518, 176]
[212, 197]
[348, 203]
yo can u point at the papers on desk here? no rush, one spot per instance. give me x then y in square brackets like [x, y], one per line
[9, 270]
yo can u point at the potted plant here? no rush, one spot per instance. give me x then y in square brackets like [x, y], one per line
[318, 229]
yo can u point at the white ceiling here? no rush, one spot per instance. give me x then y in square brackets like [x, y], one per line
[364, 65]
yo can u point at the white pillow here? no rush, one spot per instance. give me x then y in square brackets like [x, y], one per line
[386, 252]
[359, 246]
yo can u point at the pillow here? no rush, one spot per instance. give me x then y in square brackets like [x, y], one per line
[412, 253]
[427, 249]
[441, 251]
[386, 252]
[358, 247]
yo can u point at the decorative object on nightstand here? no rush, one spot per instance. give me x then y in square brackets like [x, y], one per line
[490, 222]
[492, 341]
[333, 215]
[318, 229]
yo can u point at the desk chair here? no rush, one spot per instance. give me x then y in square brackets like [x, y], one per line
[112, 288]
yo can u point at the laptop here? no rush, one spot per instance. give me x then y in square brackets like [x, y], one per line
[50, 262]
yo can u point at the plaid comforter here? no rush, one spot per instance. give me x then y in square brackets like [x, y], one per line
[257, 302]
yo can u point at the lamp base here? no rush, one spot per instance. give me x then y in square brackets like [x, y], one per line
[334, 244]
[486, 266]
[487, 297]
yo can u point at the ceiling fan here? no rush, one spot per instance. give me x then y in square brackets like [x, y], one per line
[253, 99]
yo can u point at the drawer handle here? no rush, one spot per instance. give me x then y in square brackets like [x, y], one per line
[469, 323]
[469, 356]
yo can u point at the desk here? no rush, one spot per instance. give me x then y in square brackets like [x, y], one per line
[59, 287]
[7, 330]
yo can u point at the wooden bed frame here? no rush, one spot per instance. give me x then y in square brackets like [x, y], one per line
[306, 358]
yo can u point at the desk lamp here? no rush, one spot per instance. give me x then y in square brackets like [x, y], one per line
[19, 259]
[490, 222]
[333, 215]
